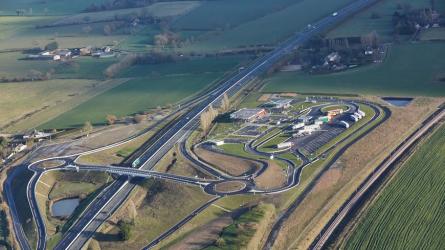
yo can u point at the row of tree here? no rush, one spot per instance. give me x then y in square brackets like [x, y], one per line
[210, 115]
[137, 59]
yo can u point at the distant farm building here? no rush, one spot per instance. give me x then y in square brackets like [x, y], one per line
[248, 115]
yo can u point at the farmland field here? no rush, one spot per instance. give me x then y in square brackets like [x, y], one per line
[215, 13]
[408, 214]
[134, 96]
[398, 75]
[50, 7]
[362, 23]
[162, 9]
[433, 34]
[18, 99]
[271, 28]
[151, 86]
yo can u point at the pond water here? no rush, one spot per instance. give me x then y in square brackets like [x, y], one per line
[398, 101]
[65, 207]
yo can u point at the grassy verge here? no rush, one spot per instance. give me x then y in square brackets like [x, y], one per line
[242, 230]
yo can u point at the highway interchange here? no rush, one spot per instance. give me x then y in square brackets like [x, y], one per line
[116, 193]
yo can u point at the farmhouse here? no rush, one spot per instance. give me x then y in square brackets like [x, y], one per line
[249, 115]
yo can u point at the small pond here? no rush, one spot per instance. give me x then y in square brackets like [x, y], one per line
[398, 101]
[65, 207]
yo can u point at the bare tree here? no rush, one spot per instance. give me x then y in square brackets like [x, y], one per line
[225, 103]
[111, 119]
[138, 118]
[207, 118]
[87, 127]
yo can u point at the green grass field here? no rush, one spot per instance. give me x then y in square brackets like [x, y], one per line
[271, 28]
[186, 67]
[433, 34]
[134, 96]
[53, 7]
[410, 69]
[362, 23]
[408, 213]
[216, 12]
[151, 86]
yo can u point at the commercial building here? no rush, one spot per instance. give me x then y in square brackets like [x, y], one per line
[280, 103]
[249, 115]
[284, 145]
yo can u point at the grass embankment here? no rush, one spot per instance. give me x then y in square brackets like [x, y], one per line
[334, 107]
[4, 230]
[115, 155]
[231, 165]
[57, 185]
[273, 177]
[272, 144]
[237, 149]
[348, 172]
[152, 209]
[175, 163]
[206, 218]
[247, 231]
[19, 187]
[407, 213]
[398, 75]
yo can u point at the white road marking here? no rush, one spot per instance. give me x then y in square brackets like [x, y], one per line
[224, 209]
[44, 183]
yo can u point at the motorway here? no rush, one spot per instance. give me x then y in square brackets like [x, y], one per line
[116, 193]
[380, 172]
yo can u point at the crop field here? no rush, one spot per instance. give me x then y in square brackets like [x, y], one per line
[398, 75]
[50, 7]
[152, 86]
[271, 28]
[19, 32]
[408, 213]
[362, 23]
[215, 13]
[162, 9]
[433, 34]
[134, 96]
[187, 67]
[18, 99]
